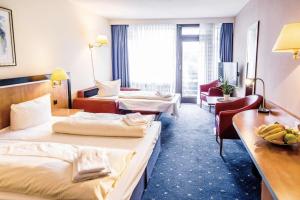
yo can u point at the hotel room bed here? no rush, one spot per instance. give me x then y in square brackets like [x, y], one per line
[170, 107]
[89, 101]
[131, 183]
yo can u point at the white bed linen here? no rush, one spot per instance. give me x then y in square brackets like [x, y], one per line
[129, 179]
[149, 95]
[170, 107]
[101, 124]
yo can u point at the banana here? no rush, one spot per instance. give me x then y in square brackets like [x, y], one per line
[275, 135]
[271, 132]
[277, 142]
[270, 128]
[259, 130]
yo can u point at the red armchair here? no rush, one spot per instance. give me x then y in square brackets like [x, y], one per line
[210, 89]
[225, 113]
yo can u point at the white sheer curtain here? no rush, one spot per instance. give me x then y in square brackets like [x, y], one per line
[152, 56]
[209, 52]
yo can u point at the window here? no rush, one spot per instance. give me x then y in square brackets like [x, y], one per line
[190, 30]
[152, 56]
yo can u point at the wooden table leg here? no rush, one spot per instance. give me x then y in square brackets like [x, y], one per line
[265, 193]
[209, 108]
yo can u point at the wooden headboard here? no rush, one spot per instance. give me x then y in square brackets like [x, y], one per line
[16, 90]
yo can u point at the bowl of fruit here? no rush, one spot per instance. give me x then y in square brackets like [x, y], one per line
[279, 134]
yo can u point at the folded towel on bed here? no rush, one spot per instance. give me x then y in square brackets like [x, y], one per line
[90, 164]
[136, 119]
[45, 169]
[90, 176]
[100, 124]
[90, 161]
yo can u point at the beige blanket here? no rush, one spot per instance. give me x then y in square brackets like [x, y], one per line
[100, 124]
[149, 95]
[39, 169]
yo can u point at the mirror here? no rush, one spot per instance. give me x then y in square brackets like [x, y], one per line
[251, 56]
[252, 44]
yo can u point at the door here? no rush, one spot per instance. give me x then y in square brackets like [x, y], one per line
[188, 62]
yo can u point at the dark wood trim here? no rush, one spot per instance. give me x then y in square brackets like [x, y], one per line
[257, 43]
[36, 78]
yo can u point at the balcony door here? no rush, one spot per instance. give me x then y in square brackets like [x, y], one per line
[188, 63]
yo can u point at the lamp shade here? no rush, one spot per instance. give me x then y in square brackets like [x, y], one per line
[101, 40]
[59, 74]
[288, 39]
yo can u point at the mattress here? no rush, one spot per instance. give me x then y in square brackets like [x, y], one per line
[129, 179]
[170, 107]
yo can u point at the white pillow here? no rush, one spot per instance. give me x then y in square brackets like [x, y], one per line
[30, 113]
[108, 88]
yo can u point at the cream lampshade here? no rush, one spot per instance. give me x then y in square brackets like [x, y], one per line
[58, 75]
[289, 40]
[101, 40]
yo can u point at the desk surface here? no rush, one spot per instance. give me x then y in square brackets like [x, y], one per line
[279, 166]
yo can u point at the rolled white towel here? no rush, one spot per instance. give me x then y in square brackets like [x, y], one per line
[137, 119]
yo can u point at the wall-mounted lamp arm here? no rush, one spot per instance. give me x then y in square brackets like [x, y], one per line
[263, 108]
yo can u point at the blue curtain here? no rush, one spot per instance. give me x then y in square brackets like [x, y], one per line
[120, 66]
[226, 42]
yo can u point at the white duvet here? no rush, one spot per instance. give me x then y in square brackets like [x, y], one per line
[149, 95]
[45, 169]
[100, 124]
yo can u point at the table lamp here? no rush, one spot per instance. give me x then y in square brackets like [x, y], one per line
[263, 108]
[101, 40]
[289, 40]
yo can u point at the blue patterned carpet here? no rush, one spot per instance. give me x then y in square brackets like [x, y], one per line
[189, 166]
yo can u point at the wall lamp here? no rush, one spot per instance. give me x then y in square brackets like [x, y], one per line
[249, 81]
[58, 75]
[101, 40]
[289, 40]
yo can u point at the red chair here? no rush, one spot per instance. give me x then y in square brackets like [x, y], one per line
[210, 89]
[225, 113]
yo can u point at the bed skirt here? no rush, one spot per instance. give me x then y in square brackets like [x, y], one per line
[142, 184]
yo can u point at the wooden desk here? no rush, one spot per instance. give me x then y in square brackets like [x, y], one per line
[279, 166]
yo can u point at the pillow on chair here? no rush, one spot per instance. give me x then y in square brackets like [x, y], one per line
[108, 88]
[30, 113]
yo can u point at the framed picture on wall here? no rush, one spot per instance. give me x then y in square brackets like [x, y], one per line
[7, 43]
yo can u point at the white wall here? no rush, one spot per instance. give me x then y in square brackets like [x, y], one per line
[280, 71]
[56, 33]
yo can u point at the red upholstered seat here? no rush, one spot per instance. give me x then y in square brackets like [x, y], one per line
[226, 111]
[210, 89]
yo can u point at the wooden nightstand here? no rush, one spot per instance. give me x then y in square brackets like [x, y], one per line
[65, 112]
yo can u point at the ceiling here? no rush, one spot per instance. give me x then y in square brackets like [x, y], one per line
[163, 9]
